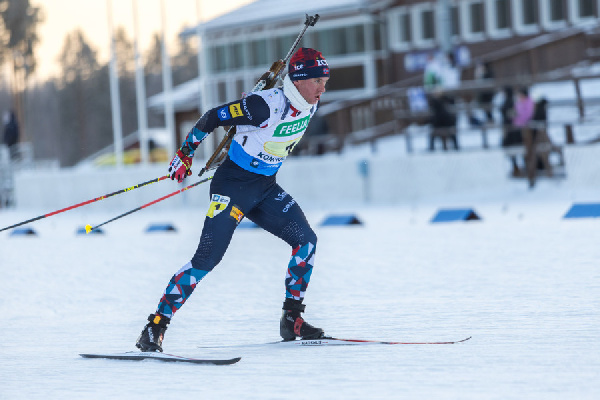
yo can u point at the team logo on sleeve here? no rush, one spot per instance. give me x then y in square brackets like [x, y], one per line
[218, 204]
[236, 110]
[223, 114]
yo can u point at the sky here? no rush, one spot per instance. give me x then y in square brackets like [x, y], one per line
[64, 16]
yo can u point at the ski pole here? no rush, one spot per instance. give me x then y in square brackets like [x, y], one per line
[266, 81]
[89, 228]
[139, 185]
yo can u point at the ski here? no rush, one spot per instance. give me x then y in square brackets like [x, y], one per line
[331, 341]
[139, 356]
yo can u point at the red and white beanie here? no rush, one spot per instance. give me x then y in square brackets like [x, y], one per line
[307, 63]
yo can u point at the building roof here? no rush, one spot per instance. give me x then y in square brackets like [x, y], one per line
[267, 11]
[185, 97]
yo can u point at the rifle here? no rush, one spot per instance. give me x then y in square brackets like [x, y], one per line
[267, 81]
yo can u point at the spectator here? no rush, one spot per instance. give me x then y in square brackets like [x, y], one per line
[441, 71]
[450, 72]
[508, 108]
[432, 75]
[524, 108]
[483, 72]
[11, 132]
[538, 131]
[522, 114]
[443, 121]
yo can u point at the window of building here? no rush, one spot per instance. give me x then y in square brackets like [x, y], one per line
[526, 16]
[237, 56]
[530, 12]
[423, 19]
[258, 53]
[582, 11]
[240, 87]
[476, 17]
[553, 14]
[405, 33]
[346, 78]
[355, 39]
[400, 28]
[557, 11]
[377, 35]
[218, 59]
[283, 43]
[221, 92]
[327, 40]
[585, 8]
[427, 25]
[498, 18]
[455, 18]
[473, 19]
[340, 41]
[502, 14]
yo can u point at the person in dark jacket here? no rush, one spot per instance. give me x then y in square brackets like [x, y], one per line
[11, 132]
[443, 120]
[483, 72]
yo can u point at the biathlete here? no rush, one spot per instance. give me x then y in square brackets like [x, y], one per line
[269, 124]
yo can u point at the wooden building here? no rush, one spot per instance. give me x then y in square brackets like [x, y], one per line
[378, 46]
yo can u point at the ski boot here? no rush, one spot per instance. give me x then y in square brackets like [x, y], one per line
[292, 325]
[153, 333]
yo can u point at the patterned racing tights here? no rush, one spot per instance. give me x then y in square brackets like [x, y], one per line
[236, 193]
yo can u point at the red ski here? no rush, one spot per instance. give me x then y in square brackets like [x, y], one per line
[331, 341]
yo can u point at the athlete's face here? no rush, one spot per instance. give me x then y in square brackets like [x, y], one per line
[311, 89]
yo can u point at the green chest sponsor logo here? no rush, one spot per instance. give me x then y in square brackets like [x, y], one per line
[292, 128]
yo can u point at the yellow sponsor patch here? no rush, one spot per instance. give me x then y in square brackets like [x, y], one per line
[236, 213]
[235, 110]
[218, 204]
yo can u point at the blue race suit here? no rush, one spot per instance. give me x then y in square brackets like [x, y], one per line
[269, 125]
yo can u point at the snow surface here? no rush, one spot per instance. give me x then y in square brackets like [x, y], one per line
[523, 282]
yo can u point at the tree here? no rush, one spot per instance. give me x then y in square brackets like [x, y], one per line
[18, 37]
[124, 52]
[184, 67]
[18, 33]
[42, 102]
[77, 59]
[154, 83]
[83, 93]
[185, 62]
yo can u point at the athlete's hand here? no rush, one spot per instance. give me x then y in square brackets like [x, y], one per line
[180, 166]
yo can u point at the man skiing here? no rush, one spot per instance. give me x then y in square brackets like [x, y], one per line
[269, 124]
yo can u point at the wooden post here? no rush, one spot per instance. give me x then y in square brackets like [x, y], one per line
[530, 155]
[580, 104]
[570, 138]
